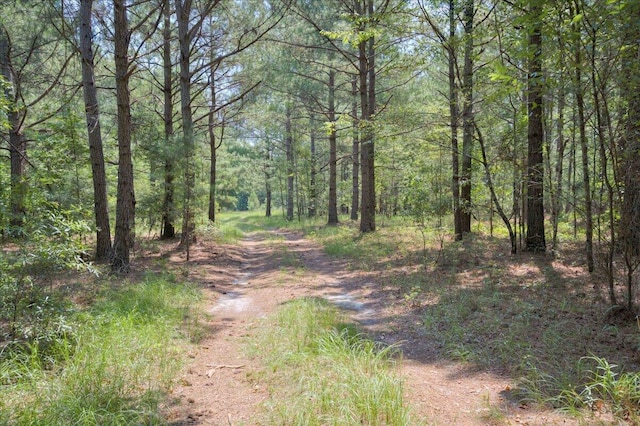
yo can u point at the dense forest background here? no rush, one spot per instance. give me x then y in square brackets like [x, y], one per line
[520, 116]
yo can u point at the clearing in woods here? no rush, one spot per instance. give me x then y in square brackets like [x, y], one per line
[250, 280]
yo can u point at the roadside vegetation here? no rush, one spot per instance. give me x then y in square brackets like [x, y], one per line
[540, 319]
[78, 350]
[107, 359]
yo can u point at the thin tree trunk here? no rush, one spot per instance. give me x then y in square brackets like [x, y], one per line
[355, 152]
[17, 141]
[313, 190]
[212, 171]
[214, 143]
[366, 65]
[333, 169]
[453, 117]
[267, 180]
[578, 89]
[467, 120]
[125, 205]
[601, 132]
[290, 166]
[92, 114]
[494, 197]
[556, 199]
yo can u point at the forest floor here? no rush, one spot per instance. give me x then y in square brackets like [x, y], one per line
[245, 282]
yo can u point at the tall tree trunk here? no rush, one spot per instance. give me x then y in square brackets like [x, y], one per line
[92, 113]
[578, 89]
[453, 117]
[267, 180]
[557, 196]
[290, 165]
[630, 214]
[213, 171]
[604, 165]
[467, 120]
[367, 73]
[214, 143]
[535, 240]
[183, 13]
[17, 141]
[333, 167]
[355, 151]
[125, 205]
[313, 190]
[18, 156]
[168, 208]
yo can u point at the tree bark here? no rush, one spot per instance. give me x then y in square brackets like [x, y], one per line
[535, 240]
[453, 123]
[355, 152]
[17, 141]
[313, 190]
[92, 114]
[125, 206]
[333, 167]
[214, 143]
[494, 197]
[557, 196]
[290, 165]
[267, 180]
[168, 207]
[604, 166]
[630, 214]
[366, 69]
[183, 13]
[467, 120]
[578, 89]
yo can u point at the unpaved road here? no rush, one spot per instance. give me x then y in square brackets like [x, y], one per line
[245, 283]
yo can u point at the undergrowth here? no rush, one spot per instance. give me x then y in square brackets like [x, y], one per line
[112, 364]
[322, 371]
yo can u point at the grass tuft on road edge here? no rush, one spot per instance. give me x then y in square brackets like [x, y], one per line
[322, 371]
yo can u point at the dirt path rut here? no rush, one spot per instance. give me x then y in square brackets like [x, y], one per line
[247, 282]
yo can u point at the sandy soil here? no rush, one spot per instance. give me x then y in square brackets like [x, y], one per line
[243, 283]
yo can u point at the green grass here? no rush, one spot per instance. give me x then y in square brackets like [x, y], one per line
[539, 325]
[114, 368]
[322, 372]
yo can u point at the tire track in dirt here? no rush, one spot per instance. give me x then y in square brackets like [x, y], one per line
[220, 387]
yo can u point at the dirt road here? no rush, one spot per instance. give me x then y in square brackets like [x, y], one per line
[247, 282]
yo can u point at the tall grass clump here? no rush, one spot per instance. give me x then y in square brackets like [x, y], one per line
[126, 351]
[323, 372]
[602, 389]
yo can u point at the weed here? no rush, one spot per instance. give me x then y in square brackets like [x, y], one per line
[324, 372]
[123, 356]
[620, 391]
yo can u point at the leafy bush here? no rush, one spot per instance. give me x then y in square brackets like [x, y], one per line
[32, 317]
